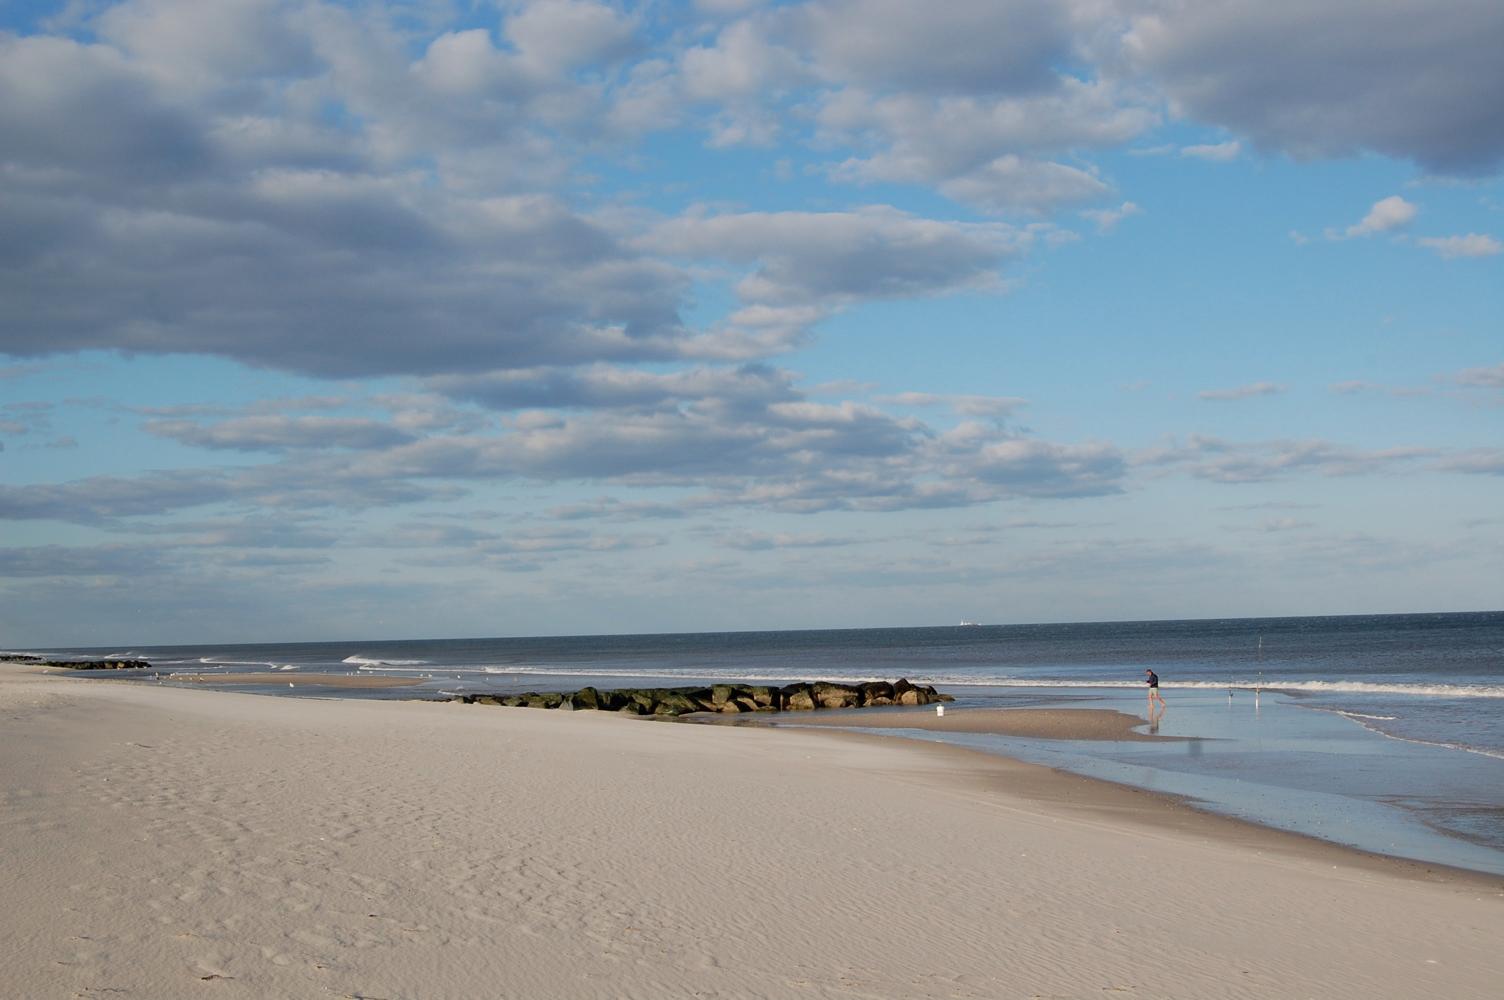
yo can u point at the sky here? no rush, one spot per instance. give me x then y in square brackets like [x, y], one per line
[328, 319]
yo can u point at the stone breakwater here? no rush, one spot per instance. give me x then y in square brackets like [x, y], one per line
[42, 661]
[722, 698]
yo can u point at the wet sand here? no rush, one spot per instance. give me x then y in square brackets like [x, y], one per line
[297, 678]
[1035, 723]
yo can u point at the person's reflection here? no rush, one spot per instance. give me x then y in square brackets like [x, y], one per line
[1155, 714]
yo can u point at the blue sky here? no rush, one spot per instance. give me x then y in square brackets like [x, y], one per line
[330, 320]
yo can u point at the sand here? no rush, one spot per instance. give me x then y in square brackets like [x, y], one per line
[1035, 723]
[299, 679]
[167, 842]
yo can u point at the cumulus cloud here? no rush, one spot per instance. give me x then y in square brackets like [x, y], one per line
[994, 152]
[1471, 245]
[1418, 81]
[1386, 215]
[977, 46]
[557, 36]
[831, 258]
[1107, 219]
[1221, 152]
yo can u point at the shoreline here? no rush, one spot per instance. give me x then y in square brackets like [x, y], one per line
[167, 840]
[1149, 810]
[1074, 724]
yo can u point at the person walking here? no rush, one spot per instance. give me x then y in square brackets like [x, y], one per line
[1154, 696]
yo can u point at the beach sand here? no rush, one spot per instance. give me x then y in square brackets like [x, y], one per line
[298, 678]
[165, 842]
[1035, 723]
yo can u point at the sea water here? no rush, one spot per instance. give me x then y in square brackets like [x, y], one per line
[1384, 732]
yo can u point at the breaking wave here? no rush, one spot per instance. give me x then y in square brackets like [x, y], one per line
[368, 662]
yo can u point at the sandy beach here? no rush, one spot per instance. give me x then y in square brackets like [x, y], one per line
[168, 842]
[1038, 723]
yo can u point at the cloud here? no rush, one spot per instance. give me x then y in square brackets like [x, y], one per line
[832, 258]
[605, 387]
[965, 405]
[278, 434]
[609, 508]
[758, 541]
[130, 561]
[318, 223]
[1242, 391]
[1476, 461]
[997, 153]
[1386, 215]
[1417, 82]
[1278, 524]
[1222, 152]
[1254, 462]
[557, 36]
[1491, 377]
[1471, 245]
[977, 47]
[1107, 219]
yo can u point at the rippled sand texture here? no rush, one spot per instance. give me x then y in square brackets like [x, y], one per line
[164, 843]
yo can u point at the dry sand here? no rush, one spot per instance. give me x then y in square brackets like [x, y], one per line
[168, 842]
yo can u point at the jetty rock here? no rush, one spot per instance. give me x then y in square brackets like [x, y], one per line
[42, 661]
[727, 699]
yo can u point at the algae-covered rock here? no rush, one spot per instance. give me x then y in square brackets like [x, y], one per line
[828, 695]
[797, 698]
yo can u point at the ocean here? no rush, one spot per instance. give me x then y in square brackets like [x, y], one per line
[1383, 732]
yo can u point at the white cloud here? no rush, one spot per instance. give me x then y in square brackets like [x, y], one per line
[1224, 461]
[1471, 245]
[1107, 219]
[831, 258]
[742, 64]
[557, 36]
[1222, 152]
[1489, 378]
[1386, 215]
[1242, 391]
[996, 151]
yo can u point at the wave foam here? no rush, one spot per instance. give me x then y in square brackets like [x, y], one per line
[364, 662]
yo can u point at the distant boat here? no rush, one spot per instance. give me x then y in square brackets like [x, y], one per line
[972, 624]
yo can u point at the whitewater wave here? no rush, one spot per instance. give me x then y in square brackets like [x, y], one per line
[220, 661]
[365, 662]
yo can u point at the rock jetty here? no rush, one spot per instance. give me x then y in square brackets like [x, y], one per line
[42, 661]
[722, 698]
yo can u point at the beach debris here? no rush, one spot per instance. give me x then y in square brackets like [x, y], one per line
[721, 698]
